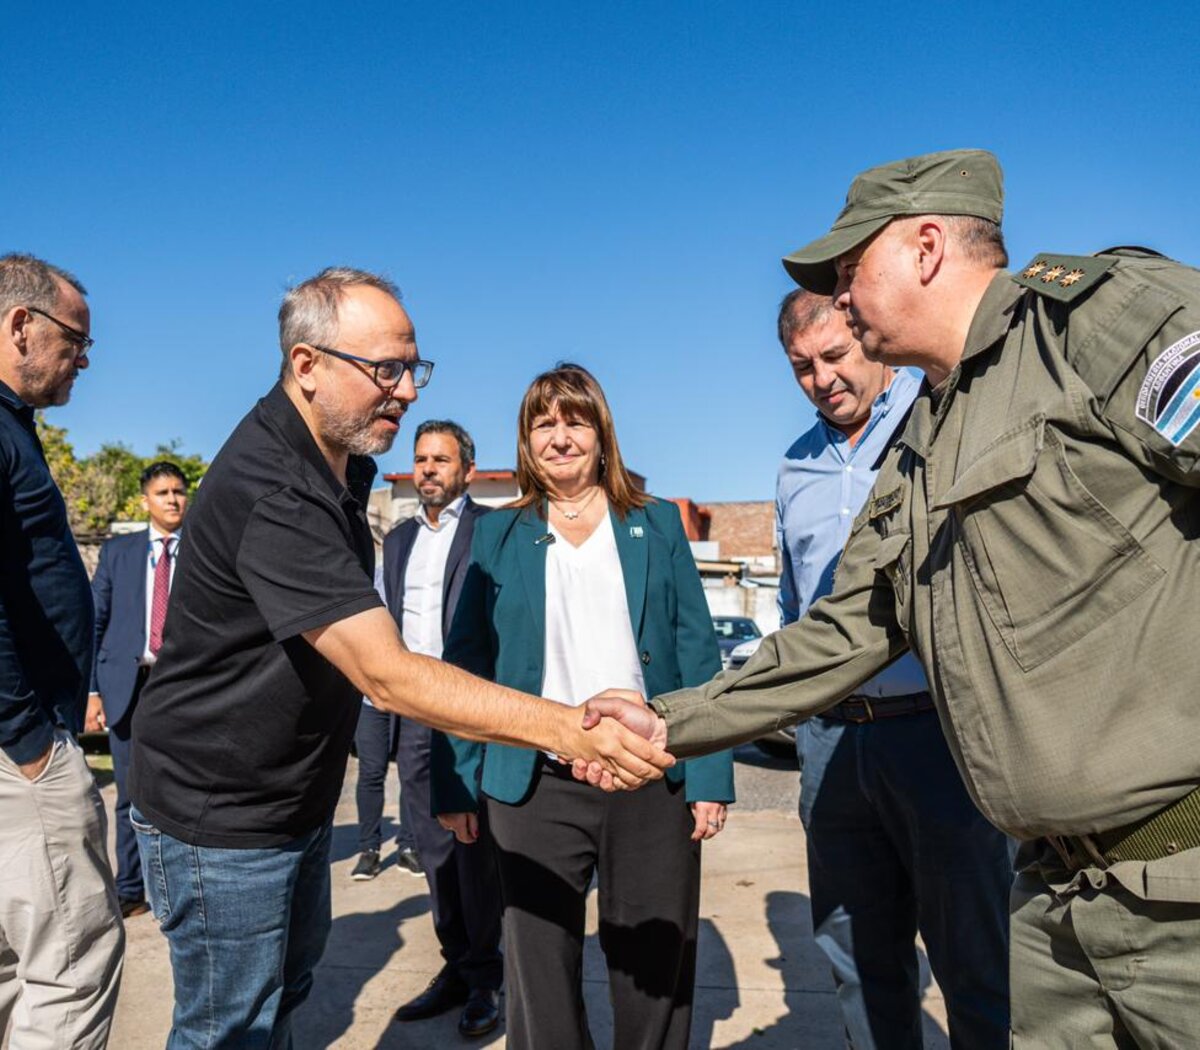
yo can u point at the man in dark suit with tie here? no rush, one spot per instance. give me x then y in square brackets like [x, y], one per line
[130, 592]
[424, 563]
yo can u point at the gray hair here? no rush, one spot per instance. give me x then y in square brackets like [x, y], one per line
[799, 311]
[979, 239]
[26, 280]
[309, 311]
[466, 447]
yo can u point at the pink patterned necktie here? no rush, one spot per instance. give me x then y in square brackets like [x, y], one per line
[162, 590]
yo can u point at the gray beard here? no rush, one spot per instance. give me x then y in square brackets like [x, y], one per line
[356, 439]
[353, 435]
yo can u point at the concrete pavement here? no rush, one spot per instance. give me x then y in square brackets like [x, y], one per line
[760, 983]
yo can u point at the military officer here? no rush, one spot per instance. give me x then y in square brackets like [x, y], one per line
[1032, 538]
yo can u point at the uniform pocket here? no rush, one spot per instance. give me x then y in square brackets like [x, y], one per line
[1047, 559]
[893, 558]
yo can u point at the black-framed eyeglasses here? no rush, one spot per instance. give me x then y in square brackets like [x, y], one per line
[85, 342]
[386, 374]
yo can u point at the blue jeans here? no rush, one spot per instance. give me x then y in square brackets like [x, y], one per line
[246, 928]
[895, 845]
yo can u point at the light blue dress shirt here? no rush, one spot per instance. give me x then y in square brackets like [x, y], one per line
[823, 483]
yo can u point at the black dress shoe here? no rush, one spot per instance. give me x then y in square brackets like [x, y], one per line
[482, 1012]
[445, 992]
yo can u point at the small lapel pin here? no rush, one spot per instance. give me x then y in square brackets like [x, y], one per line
[635, 531]
[547, 537]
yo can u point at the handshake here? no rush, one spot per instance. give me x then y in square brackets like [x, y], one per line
[618, 745]
[622, 742]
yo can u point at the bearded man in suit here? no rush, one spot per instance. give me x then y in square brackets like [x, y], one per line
[424, 563]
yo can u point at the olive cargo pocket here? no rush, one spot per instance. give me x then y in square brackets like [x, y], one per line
[893, 558]
[1047, 559]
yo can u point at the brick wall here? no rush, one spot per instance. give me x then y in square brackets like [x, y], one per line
[744, 530]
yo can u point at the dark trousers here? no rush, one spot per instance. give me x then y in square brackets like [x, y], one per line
[375, 741]
[637, 843]
[464, 895]
[895, 845]
[129, 865]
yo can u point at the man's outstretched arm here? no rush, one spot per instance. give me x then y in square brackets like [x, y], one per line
[797, 672]
[367, 649]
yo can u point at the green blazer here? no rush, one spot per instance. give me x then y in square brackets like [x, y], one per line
[499, 633]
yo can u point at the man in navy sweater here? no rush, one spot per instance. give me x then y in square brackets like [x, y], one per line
[61, 939]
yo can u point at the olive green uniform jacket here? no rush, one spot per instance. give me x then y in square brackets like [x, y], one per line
[1033, 539]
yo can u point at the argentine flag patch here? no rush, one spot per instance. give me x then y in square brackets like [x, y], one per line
[1169, 398]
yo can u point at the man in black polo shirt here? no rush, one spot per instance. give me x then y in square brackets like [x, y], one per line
[61, 939]
[273, 632]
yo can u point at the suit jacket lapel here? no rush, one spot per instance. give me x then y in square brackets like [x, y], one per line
[633, 549]
[139, 554]
[460, 547]
[531, 555]
[394, 569]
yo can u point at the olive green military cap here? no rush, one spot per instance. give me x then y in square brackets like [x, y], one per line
[953, 182]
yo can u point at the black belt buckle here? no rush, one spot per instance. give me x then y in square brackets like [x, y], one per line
[868, 714]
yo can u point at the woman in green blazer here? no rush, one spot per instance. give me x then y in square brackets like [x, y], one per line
[585, 583]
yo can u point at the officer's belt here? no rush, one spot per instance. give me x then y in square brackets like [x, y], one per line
[1163, 834]
[860, 709]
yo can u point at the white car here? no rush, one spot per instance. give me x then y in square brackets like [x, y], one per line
[778, 742]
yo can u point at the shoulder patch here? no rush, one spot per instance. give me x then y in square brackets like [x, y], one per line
[1063, 277]
[1169, 398]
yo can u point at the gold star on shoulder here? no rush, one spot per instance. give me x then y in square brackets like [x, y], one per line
[1034, 270]
[1072, 278]
[1053, 274]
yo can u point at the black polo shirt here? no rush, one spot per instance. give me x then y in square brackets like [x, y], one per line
[45, 601]
[241, 735]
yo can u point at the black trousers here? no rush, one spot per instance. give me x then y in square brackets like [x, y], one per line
[464, 892]
[637, 844]
[375, 742]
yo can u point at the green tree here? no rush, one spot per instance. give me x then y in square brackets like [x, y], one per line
[103, 488]
[194, 468]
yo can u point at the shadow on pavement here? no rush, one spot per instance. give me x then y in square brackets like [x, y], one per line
[360, 946]
[812, 1017]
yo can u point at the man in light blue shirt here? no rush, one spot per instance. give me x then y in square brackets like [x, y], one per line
[895, 844]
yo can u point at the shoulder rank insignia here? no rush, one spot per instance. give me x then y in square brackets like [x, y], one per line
[1063, 277]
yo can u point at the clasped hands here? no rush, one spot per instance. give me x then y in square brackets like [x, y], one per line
[622, 762]
[622, 745]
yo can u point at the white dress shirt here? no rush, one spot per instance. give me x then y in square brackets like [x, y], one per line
[153, 553]
[589, 637]
[424, 579]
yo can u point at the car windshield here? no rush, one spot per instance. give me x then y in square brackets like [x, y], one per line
[738, 629]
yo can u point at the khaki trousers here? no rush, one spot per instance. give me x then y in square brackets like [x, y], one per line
[62, 942]
[1101, 967]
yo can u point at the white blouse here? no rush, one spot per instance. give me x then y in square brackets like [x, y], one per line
[589, 639]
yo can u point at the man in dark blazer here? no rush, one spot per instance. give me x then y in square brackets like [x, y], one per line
[424, 564]
[130, 591]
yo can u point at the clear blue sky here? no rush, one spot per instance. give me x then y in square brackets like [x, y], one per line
[607, 183]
